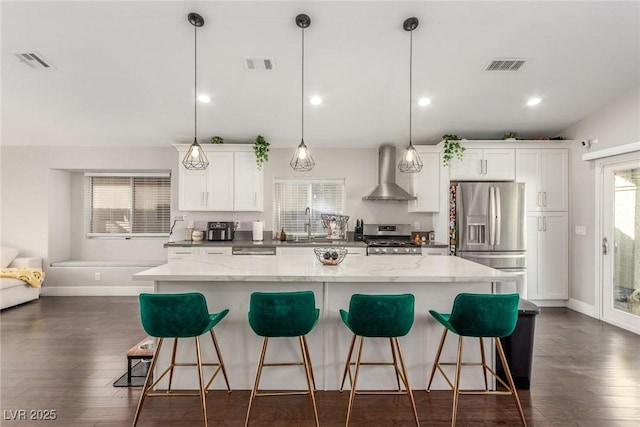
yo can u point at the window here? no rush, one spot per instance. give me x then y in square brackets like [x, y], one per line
[293, 196]
[129, 205]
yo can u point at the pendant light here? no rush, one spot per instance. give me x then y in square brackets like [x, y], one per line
[410, 160]
[302, 160]
[195, 158]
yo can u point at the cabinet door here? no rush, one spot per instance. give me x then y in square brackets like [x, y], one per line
[248, 189]
[215, 252]
[426, 185]
[176, 253]
[555, 179]
[499, 165]
[529, 171]
[534, 228]
[219, 195]
[470, 168]
[553, 256]
[192, 189]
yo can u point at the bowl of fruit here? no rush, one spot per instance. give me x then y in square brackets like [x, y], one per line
[330, 256]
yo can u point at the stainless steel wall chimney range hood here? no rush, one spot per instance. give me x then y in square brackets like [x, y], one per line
[387, 189]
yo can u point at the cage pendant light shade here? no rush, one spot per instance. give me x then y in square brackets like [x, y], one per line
[195, 159]
[302, 160]
[410, 161]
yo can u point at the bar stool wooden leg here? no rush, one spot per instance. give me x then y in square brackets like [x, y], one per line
[512, 386]
[265, 341]
[437, 360]
[173, 362]
[308, 355]
[405, 379]
[484, 365]
[220, 361]
[347, 365]
[456, 389]
[352, 395]
[395, 362]
[309, 376]
[203, 397]
[147, 382]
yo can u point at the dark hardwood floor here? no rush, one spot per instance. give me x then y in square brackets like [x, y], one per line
[64, 354]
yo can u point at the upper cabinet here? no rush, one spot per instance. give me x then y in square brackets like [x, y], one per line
[484, 164]
[546, 175]
[231, 182]
[425, 185]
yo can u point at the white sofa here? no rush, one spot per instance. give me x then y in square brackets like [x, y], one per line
[15, 291]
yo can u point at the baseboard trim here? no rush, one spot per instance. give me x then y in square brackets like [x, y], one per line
[582, 307]
[94, 291]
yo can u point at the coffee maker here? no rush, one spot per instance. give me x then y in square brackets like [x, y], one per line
[220, 231]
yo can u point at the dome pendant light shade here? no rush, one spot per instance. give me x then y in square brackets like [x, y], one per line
[410, 159]
[195, 159]
[302, 160]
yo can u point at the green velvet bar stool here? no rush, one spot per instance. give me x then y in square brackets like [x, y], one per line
[179, 316]
[379, 316]
[280, 315]
[480, 316]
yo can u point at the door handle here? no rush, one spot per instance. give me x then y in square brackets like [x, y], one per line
[605, 246]
[486, 168]
[544, 198]
[498, 216]
[539, 198]
[481, 168]
[492, 215]
[544, 223]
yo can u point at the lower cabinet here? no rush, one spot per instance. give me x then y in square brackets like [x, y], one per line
[547, 255]
[178, 253]
[426, 251]
[308, 251]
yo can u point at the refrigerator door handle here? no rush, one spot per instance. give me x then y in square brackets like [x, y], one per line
[492, 215]
[498, 216]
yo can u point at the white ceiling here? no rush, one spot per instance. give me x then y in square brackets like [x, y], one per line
[124, 70]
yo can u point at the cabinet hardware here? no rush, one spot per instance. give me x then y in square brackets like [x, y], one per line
[539, 223]
[539, 198]
[544, 198]
[486, 168]
[605, 246]
[544, 223]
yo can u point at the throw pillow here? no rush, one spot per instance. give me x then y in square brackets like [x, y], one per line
[7, 255]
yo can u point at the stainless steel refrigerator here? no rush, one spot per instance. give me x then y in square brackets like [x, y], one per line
[488, 226]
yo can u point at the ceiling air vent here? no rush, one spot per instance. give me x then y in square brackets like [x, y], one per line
[258, 63]
[34, 60]
[505, 65]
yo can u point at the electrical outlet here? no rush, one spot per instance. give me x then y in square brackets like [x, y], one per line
[581, 230]
[97, 277]
[180, 218]
[237, 225]
[416, 225]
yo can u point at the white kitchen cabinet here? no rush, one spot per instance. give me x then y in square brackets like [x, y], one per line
[547, 255]
[484, 164]
[425, 185]
[197, 253]
[546, 174]
[176, 253]
[231, 182]
[308, 251]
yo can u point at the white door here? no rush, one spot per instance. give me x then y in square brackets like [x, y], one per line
[553, 256]
[192, 189]
[529, 171]
[555, 179]
[621, 244]
[470, 168]
[248, 183]
[499, 164]
[219, 196]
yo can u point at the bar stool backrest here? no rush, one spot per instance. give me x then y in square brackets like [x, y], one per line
[381, 315]
[485, 315]
[282, 314]
[174, 315]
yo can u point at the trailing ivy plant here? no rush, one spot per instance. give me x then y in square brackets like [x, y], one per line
[261, 150]
[510, 135]
[217, 140]
[452, 149]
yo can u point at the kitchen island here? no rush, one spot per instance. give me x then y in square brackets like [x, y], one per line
[228, 281]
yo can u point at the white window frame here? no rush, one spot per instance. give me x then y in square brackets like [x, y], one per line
[88, 210]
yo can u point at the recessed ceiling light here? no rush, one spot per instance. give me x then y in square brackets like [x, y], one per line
[204, 98]
[424, 101]
[315, 100]
[533, 101]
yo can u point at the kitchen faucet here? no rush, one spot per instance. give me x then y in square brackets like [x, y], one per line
[307, 224]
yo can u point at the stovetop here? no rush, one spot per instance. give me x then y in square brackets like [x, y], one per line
[397, 243]
[392, 246]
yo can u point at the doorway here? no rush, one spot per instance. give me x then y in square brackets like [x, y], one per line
[620, 244]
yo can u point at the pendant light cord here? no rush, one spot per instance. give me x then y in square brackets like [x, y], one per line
[302, 88]
[195, 81]
[410, 81]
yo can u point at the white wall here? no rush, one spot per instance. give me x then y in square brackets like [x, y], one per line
[616, 124]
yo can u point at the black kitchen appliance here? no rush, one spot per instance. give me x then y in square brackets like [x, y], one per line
[390, 239]
[358, 233]
[220, 231]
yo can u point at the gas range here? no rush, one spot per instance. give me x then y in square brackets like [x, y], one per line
[390, 239]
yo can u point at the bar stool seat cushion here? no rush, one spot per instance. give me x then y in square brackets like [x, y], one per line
[481, 315]
[379, 316]
[283, 314]
[177, 315]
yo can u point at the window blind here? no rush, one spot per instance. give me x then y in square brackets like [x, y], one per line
[292, 197]
[134, 205]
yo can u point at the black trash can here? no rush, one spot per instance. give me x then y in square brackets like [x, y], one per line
[518, 347]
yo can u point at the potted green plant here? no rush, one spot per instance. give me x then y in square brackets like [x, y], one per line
[452, 149]
[217, 140]
[261, 150]
[510, 136]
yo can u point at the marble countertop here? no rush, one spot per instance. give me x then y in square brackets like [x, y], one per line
[296, 268]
